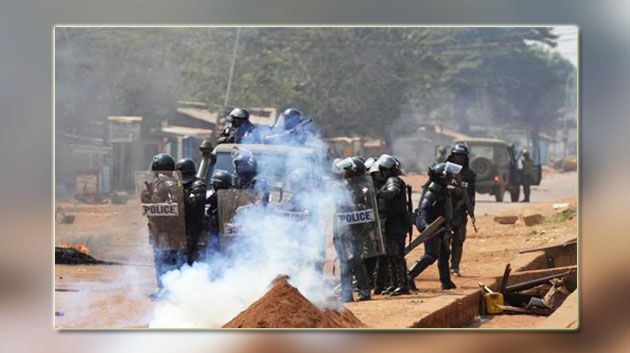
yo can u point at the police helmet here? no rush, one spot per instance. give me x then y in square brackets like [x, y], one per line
[244, 162]
[163, 162]
[221, 179]
[187, 168]
[461, 149]
[369, 162]
[387, 165]
[238, 115]
[351, 167]
[290, 118]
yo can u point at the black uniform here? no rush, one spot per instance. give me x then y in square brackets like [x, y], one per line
[463, 207]
[194, 205]
[246, 133]
[526, 170]
[435, 202]
[348, 240]
[239, 129]
[393, 196]
[167, 235]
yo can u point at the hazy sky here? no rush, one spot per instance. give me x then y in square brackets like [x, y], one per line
[568, 42]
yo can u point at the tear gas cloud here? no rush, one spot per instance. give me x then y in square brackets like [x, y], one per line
[269, 243]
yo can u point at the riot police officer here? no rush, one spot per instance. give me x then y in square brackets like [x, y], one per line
[239, 129]
[526, 168]
[220, 180]
[436, 202]
[463, 203]
[392, 199]
[167, 235]
[291, 128]
[246, 173]
[194, 206]
[349, 239]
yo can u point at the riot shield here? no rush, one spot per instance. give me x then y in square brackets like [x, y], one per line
[357, 222]
[229, 201]
[162, 200]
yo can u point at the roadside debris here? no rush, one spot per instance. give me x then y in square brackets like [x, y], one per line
[569, 242]
[540, 296]
[75, 254]
[283, 306]
[505, 219]
[533, 219]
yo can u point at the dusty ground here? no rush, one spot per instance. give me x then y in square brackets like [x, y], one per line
[98, 296]
[485, 255]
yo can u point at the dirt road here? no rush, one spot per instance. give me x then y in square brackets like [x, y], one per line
[98, 296]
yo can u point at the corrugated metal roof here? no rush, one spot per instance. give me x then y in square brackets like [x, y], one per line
[201, 114]
[124, 119]
[186, 131]
[480, 140]
[262, 116]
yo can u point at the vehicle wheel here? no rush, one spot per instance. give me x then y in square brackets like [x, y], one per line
[483, 167]
[515, 193]
[498, 193]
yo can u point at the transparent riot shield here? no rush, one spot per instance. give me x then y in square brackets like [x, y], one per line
[357, 224]
[162, 202]
[229, 201]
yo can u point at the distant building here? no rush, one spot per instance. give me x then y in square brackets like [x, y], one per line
[416, 150]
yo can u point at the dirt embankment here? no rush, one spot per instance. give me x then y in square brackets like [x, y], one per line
[283, 306]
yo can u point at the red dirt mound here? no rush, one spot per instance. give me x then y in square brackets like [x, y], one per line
[283, 306]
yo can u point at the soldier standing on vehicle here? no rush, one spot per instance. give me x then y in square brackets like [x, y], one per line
[239, 129]
[463, 203]
[194, 206]
[351, 239]
[436, 202]
[220, 180]
[163, 203]
[392, 199]
[526, 169]
[291, 128]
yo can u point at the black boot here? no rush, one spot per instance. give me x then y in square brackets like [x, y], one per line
[402, 285]
[448, 285]
[362, 282]
[411, 283]
[418, 267]
[381, 275]
[445, 276]
[456, 257]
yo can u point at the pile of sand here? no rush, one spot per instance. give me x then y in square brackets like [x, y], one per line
[283, 306]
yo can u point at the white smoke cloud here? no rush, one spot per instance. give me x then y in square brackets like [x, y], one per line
[207, 295]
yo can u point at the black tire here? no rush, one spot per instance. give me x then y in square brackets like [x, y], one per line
[498, 193]
[515, 193]
[483, 167]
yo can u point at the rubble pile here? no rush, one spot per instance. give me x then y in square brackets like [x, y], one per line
[283, 306]
[540, 296]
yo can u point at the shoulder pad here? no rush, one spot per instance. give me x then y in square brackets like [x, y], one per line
[434, 188]
[394, 180]
[198, 184]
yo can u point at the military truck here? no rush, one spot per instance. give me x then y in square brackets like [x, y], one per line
[273, 161]
[496, 165]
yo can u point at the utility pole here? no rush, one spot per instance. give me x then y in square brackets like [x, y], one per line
[229, 83]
